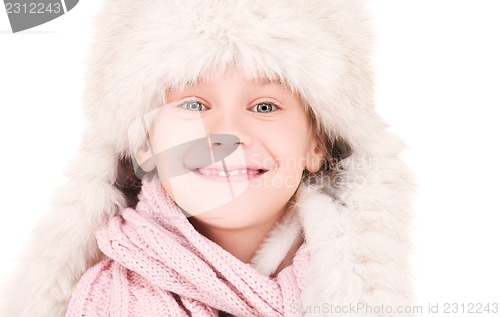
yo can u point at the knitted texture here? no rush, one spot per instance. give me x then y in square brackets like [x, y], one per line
[157, 264]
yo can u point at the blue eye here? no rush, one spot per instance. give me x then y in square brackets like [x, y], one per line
[265, 107]
[193, 105]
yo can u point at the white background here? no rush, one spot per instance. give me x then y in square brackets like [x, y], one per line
[438, 86]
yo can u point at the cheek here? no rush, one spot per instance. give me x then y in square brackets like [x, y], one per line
[286, 142]
[170, 130]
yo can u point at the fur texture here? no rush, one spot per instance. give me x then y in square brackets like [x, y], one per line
[357, 223]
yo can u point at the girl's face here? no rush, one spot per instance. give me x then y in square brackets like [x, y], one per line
[231, 151]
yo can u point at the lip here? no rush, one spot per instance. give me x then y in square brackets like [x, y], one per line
[235, 173]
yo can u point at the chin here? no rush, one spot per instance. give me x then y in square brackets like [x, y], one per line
[233, 217]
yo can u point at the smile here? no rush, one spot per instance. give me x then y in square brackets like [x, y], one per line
[230, 174]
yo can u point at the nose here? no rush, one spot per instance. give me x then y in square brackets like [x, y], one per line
[228, 130]
[223, 140]
[222, 145]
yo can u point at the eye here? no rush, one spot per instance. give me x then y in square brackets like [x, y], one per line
[192, 105]
[265, 107]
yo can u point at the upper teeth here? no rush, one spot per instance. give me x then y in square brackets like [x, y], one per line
[213, 171]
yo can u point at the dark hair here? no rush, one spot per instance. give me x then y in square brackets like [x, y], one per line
[127, 180]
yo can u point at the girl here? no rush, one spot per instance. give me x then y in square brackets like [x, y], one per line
[233, 164]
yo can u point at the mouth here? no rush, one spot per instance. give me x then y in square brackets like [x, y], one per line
[230, 174]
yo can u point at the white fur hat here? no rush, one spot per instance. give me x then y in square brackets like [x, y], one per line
[358, 226]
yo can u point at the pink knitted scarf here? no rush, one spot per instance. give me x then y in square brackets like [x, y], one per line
[157, 264]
